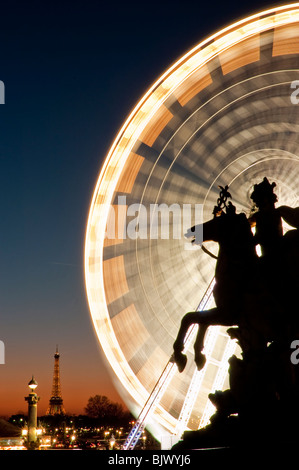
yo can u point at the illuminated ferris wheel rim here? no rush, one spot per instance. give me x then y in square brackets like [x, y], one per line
[178, 72]
[117, 157]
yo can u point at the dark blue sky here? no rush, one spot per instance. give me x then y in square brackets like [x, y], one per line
[72, 70]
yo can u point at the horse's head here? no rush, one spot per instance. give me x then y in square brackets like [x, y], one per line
[231, 231]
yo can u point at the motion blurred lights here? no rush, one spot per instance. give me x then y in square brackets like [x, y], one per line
[163, 152]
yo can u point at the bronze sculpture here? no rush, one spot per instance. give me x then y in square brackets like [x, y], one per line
[256, 296]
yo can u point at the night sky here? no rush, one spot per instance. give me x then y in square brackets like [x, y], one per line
[72, 70]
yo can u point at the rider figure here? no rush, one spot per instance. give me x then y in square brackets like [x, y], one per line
[275, 246]
[279, 251]
[267, 221]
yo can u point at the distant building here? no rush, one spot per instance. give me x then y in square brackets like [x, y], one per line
[56, 403]
[10, 436]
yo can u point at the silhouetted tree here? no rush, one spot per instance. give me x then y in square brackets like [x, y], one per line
[100, 407]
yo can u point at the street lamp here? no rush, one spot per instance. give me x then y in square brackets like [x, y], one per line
[32, 384]
[112, 442]
[32, 401]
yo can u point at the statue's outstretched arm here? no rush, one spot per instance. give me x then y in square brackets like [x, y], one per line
[290, 215]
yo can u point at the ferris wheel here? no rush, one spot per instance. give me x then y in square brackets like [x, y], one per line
[226, 113]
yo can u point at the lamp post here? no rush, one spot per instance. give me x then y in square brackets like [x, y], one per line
[112, 442]
[32, 400]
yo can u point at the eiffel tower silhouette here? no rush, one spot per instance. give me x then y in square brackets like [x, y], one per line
[56, 403]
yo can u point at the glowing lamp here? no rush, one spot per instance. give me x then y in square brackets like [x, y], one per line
[32, 384]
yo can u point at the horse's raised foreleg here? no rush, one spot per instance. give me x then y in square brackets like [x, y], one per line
[179, 358]
[189, 319]
[199, 357]
[214, 316]
[204, 319]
